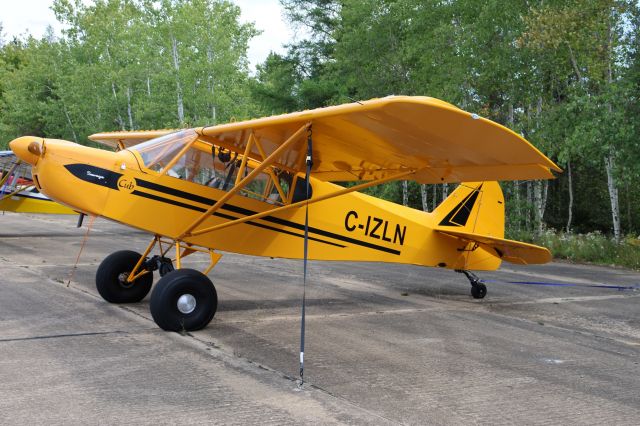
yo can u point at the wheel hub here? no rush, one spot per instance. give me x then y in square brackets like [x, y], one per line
[186, 303]
[122, 278]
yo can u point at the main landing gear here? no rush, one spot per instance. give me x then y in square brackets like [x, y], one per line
[112, 278]
[478, 289]
[182, 299]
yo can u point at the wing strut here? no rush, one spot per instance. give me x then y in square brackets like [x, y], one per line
[8, 174]
[266, 163]
[298, 204]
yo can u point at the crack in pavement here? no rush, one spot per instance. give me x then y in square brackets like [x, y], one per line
[57, 336]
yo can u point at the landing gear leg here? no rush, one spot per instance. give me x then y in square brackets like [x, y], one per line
[478, 289]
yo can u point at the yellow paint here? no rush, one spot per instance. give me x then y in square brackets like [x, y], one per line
[19, 203]
[371, 141]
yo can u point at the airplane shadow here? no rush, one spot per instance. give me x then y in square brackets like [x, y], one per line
[374, 303]
[246, 305]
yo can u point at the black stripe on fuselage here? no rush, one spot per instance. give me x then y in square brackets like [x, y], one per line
[87, 173]
[272, 219]
[96, 175]
[226, 216]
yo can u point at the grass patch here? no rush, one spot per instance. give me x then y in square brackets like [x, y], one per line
[593, 247]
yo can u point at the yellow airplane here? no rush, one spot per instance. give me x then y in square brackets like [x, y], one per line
[17, 191]
[247, 187]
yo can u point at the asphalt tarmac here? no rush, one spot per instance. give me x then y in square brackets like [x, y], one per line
[385, 344]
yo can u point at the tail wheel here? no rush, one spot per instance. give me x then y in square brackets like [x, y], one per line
[184, 299]
[112, 274]
[478, 291]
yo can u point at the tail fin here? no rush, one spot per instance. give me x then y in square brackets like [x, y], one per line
[474, 213]
[475, 207]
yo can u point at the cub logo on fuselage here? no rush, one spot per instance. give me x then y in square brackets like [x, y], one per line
[375, 227]
[126, 184]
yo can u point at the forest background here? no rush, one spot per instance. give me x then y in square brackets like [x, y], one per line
[563, 73]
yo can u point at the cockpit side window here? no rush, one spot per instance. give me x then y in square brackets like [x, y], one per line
[182, 155]
[196, 164]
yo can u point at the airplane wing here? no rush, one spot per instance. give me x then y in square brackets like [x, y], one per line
[127, 138]
[381, 137]
[17, 192]
[509, 250]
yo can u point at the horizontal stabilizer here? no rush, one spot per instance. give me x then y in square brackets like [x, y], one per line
[509, 250]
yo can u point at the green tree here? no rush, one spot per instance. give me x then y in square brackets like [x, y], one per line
[128, 64]
[591, 38]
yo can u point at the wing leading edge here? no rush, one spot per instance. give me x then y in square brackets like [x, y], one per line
[128, 138]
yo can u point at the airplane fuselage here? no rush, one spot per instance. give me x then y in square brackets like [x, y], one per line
[351, 227]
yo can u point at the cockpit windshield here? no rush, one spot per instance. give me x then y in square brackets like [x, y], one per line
[158, 152]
